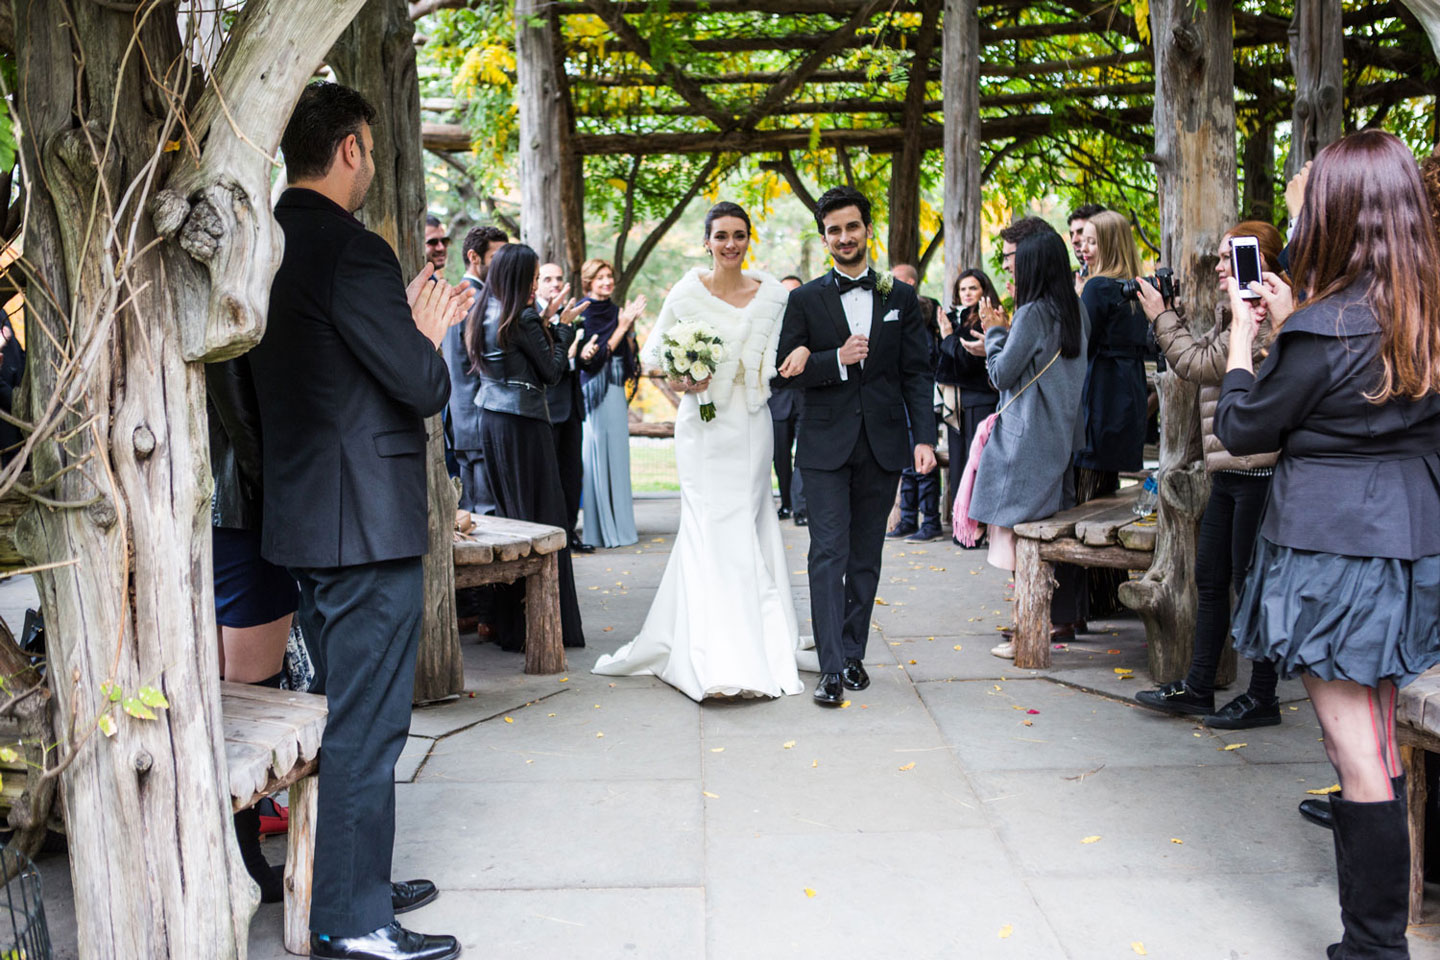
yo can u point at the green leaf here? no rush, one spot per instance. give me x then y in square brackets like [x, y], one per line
[136, 709]
[153, 698]
[8, 755]
[107, 724]
[112, 691]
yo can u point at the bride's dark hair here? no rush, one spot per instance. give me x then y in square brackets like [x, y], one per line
[726, 209]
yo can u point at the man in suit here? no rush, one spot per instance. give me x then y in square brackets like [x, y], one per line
[865, 368]
[785, 408]
[919, 493]
[345, 375]
[480, 245]
[567, 412]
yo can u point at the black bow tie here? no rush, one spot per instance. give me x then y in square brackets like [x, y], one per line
[845, 284]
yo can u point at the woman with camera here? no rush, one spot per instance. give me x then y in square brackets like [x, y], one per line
[1344, 587]
[1238, 486]
[1038, 363]
[1114, 401]
[519, 356]
[964, 384]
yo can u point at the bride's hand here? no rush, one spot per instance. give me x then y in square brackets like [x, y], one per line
[794, 364]
[687, 385]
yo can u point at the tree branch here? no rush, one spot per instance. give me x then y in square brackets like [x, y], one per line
[631, 269]
[785, 166]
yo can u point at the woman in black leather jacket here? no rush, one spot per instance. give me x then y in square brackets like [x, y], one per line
[963, 381]
[518, 356]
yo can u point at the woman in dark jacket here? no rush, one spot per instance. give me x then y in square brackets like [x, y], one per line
[1344, 587]
[960, 373]
[519, 356]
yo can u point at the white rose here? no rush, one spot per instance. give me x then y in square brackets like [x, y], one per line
[680, 364]
[717, 352]
[698, 371]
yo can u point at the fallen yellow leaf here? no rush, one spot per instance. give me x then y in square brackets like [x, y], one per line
[1139, 948]
[599, 735]
[712, 796]
[788, 744]
[1176, 840]
[1324, 791]
[1235, 746]
[549, 714]
[1006, 930]
[814, 764]
[717, 749]
[912, 663]
[509, 719]
[1123, 670]
[1091, 839]
[909, 766]
[809, 892]
[881, 602]
[958, 647]
[844, 704]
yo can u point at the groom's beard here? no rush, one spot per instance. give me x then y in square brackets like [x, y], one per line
[858, 258]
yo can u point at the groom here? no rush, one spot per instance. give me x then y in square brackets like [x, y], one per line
[868, 384]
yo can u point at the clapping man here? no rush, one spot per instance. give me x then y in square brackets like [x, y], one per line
[345, 375]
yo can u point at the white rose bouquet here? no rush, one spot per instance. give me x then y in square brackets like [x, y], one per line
[692, 350]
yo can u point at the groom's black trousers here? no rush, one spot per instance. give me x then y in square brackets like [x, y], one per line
[362, 627]
[848, 509]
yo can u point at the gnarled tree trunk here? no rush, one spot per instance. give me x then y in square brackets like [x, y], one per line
[542, 134]
[1195, 164]
[129, 286]
[1317, 54]
[376, 55]
[960, 81]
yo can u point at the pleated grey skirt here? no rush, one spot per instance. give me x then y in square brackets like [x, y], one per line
[1364, 619]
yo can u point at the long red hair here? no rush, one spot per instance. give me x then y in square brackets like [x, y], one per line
[1366, 217]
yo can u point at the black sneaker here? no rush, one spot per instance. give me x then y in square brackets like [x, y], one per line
[901, 530]
[1244, 712]
[1178, 699]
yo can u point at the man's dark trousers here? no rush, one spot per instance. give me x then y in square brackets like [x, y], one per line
[362, 626]
[848, 508]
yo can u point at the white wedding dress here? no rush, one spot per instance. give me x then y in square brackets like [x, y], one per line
[723, 621]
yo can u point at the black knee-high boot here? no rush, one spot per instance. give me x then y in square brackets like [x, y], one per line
[1372, 859]
[247, 835]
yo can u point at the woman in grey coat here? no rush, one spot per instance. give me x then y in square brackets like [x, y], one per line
[1037, 362]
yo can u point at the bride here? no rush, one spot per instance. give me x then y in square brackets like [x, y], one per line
[723, 621]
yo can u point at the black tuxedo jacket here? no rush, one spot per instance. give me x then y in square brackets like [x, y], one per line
[344, 381]
[892, 394]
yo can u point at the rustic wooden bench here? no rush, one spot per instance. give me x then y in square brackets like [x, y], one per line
[1099, 533]
[1417, 728]
[497, 550]
[272, 741]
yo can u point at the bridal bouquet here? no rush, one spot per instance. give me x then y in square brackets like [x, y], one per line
[693, 349]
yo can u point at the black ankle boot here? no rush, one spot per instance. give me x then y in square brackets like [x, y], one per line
[247, 835]
[1372, 859]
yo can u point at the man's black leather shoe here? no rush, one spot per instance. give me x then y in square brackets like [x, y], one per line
[801, 519]
[410, 895]
[854, 675]
[390, 942]
[783, 513]
[1317, 810]
[829, 690]
[579, 546]
[1178, 699]
[1244, 712]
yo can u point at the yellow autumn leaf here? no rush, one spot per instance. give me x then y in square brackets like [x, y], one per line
[881, 602]
[717, 749]
[809, 892]
[1006, 930]
[844, 704]
[549, 714]
[712, 796]
[912, 663]
[509, 719]
[909, 766]
[1235, 746]
[1093, 839]
[1176, 840]
[788, 744]
[564, 679]
[171, 146]
[8, 755]
[958, 647]
[599, 735]
[107, 725]
[814, 764]
[1139, 949]
[1123, 670]
[1324, 791]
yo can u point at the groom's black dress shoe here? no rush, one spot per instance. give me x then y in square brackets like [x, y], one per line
[390, 942]
[829, 690]
[854, 675]
[783, 513]
[410, 895]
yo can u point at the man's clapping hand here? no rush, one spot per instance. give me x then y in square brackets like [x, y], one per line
[435, 306]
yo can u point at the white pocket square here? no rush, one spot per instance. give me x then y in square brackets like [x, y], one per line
[891, 316]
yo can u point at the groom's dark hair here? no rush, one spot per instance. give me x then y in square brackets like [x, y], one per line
[837, 197]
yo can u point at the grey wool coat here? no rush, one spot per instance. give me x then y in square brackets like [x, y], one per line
[1024, 472]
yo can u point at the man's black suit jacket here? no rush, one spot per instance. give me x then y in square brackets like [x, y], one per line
[344, 381]
[897, 377]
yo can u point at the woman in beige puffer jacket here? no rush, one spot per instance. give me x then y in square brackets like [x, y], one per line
[1238, 490]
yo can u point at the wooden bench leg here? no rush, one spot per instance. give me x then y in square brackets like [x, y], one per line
[544, 642]
[1034, 588]
[1416, 796]
[300, 864]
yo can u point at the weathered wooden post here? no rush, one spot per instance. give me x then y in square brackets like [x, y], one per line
[149, 249]
[376, 55]
[904, 233]
[1317, 55]
[1195, 164]
[543, 134]
[960, 82]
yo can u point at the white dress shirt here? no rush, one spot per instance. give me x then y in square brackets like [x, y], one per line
[858, 306]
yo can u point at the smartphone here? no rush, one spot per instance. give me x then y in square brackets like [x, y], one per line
[1245, 262]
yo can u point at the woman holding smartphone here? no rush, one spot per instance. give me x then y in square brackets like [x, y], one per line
[1344, 589]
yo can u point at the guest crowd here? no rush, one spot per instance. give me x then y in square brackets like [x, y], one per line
[1320, 422]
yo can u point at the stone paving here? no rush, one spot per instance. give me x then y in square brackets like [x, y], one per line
[958, 808]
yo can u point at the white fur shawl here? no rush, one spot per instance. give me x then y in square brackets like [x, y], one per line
[752, 334]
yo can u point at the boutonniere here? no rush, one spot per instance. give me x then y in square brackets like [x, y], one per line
[884, 283]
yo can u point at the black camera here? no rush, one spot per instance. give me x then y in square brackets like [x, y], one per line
[1164, 281]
